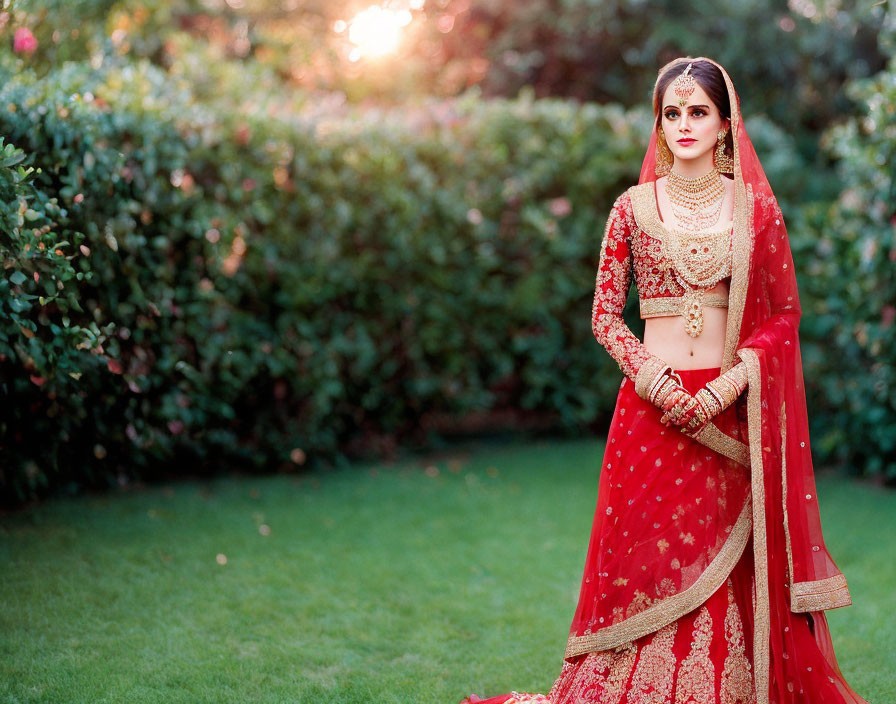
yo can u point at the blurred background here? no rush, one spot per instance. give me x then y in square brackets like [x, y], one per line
[274, 235]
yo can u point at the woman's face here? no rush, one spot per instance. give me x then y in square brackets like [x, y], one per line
[691, 131]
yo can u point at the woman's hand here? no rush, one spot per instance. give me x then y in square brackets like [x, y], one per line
[689, 413]
[677, 407]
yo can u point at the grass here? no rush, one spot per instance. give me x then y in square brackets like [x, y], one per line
[419, 582]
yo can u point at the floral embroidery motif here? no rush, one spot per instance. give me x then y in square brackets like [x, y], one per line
[600, 678]
[737, 678]
[611, 290]
[696, 675]
[652, 681]
[517, 698]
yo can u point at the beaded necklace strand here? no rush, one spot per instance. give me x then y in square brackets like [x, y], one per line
[696, 202]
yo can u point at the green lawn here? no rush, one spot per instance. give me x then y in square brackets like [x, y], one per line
[418, 583]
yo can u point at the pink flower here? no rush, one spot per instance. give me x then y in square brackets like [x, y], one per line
[560, 207]
[24, 41]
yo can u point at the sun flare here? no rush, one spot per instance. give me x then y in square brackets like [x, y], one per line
[375, 31]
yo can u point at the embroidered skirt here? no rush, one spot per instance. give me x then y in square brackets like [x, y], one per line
[703, 656]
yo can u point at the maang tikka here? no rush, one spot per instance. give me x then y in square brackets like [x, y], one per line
[684, 85]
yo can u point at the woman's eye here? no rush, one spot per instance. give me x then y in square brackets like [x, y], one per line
[671, 115]
[698, 112]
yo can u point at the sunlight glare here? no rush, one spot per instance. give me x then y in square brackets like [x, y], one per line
[376, 31]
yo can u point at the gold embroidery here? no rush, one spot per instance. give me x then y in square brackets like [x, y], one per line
[761, 620]
[696, 676]
[694, 266]
[640, 620]
[677, 305]
[652, 681]
[783, 430]
[724, 444]
[828, 593]
[737, 681]
[517, 698]
[586, 681]
[613, 280]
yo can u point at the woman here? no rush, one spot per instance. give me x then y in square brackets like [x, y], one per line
[707, 578]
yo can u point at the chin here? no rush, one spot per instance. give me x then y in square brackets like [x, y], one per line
[688, 155]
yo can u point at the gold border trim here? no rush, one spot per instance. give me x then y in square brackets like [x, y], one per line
[761, 608]
[676, 305]
[724, 444]
[784, 495]
[673, 607]
[821, 594]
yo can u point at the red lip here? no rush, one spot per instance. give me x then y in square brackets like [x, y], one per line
[686, 141]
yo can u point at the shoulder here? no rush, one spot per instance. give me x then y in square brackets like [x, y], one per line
[622, 206]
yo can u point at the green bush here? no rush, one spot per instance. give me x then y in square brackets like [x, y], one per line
[851, 249]
[263, 291]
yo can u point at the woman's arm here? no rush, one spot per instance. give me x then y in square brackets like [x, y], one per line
[652, 376]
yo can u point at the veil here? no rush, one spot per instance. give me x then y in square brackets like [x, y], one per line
[762, 330]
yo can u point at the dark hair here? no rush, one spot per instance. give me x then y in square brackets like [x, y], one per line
[710, 79]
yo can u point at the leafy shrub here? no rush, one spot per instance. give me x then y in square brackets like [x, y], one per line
[852, 252]
[265, 291]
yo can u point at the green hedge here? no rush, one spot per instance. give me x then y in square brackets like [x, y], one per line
[263, 292]
[850, 247]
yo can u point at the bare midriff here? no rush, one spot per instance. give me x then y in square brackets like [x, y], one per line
[666, 337]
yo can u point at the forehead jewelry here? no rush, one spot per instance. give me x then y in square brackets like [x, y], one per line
[684, 85]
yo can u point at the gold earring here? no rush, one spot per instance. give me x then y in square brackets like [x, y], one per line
[723, 163]
[663, 155]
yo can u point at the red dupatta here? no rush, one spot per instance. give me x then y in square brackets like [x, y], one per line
[766, 463]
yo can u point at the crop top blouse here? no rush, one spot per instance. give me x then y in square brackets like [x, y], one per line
[673, 272]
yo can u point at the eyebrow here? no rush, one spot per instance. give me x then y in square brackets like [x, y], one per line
[676, 107]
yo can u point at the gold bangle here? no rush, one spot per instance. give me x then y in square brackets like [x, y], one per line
[648, 375]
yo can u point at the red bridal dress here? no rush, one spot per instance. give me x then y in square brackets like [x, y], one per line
[706, 578]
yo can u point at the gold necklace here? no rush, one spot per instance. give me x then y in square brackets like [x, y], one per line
[696, 202]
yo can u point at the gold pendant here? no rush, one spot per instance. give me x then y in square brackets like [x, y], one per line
[693, 314]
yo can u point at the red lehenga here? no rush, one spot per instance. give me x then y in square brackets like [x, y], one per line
[707, 578]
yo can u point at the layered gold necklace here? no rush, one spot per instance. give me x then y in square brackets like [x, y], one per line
[696, 202]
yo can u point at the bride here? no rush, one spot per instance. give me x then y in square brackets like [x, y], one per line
[707, 578]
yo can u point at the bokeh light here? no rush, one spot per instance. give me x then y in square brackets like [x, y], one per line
[375, 31]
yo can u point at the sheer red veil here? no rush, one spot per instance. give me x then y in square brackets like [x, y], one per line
[769, 473]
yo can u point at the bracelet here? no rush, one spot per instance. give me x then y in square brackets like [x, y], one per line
[650, 374]
[670, 386]
[659, 389]
[727, 387]
[710, 401]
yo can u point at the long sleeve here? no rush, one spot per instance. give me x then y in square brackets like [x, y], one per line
[611, 290]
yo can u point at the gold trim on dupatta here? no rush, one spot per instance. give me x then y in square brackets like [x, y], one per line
[673, 607]
[828, 593]
[761, 608]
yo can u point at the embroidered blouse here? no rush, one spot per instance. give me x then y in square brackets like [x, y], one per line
[673, 272]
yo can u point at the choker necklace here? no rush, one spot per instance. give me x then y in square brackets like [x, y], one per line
[696, 202]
